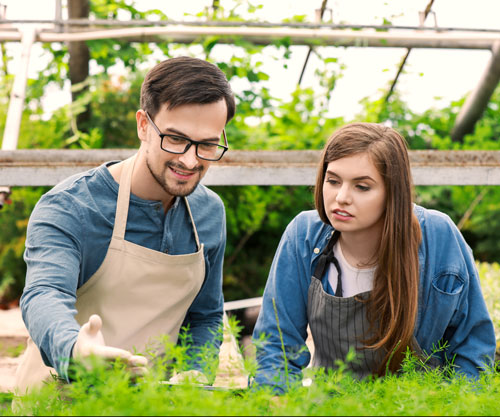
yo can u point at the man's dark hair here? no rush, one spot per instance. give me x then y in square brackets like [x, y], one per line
[185, 80]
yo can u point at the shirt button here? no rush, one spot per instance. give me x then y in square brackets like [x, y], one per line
[316, 250]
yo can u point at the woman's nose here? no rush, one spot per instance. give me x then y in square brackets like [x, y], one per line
[344, 195]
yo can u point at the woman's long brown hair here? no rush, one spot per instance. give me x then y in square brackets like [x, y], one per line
[393, 303]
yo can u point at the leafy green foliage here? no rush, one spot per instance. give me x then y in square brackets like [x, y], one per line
[5, 401]
[109, 389]
[257, 216]
[14, 220]
[431, 130]
[118, 97]
[412, 394]
[249, 211]
[490, 283]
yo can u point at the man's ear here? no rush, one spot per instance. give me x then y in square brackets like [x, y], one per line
[142, 124]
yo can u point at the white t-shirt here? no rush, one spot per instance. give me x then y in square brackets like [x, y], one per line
[354, 280]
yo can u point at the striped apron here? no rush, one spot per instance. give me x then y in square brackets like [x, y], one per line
[340, 324]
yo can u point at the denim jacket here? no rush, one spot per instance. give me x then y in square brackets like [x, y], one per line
[451, 306]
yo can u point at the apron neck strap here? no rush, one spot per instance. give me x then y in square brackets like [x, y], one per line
[123, 198]
[192, 222]
[325, 259]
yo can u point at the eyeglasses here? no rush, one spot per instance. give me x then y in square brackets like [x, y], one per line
[181, 144]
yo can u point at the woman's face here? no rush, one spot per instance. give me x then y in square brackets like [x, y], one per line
[354, 194]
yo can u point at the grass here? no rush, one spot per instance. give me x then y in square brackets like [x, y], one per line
[5, 400]
[490, 283]
[111, 390]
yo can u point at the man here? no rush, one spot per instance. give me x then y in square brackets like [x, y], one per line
[131, 250]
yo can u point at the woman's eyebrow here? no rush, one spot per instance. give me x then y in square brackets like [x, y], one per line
[364, 177]
[360, 178]
[331, 173]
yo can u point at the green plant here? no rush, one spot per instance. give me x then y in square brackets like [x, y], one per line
[256, 215]
[109, 389]
[13, 223]
[490, 283]
[5, 401]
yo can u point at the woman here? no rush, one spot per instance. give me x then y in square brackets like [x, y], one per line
[370, 271]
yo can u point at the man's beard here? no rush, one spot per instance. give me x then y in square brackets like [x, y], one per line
[177, 191]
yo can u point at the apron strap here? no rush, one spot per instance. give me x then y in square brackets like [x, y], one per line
[192, 222]
[325, 259]
[123, 199]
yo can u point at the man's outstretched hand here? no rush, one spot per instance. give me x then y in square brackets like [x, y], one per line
[90, 342]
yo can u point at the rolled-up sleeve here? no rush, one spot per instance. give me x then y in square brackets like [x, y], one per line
[281, 329]
[53, 258]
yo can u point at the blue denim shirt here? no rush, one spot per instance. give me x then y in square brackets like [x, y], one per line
[68, 235]
[451, 305]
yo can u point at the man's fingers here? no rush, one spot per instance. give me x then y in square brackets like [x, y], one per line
[95, 324]
[109, 352]
[90, 341]
[136, 360]
[112, 353]
[138, 370]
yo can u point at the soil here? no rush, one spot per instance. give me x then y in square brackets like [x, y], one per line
[13, 336]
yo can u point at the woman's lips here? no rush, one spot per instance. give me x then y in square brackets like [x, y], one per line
[342, 215]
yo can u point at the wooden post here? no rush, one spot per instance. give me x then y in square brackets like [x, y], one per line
[79, 56]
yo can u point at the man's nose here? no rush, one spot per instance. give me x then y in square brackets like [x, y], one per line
[189, 159]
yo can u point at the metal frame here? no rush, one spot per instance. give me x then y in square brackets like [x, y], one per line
[16, 103]
[186, 33]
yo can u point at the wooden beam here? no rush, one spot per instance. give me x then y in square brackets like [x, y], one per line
[477, 101]
[30, 167]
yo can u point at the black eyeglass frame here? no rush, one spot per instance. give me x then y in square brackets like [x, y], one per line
[191, 142]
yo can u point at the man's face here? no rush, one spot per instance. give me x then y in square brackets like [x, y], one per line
[179, 174]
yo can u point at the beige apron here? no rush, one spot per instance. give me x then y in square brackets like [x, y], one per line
[139, 293]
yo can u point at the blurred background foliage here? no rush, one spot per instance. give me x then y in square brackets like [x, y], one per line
[256, 216]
